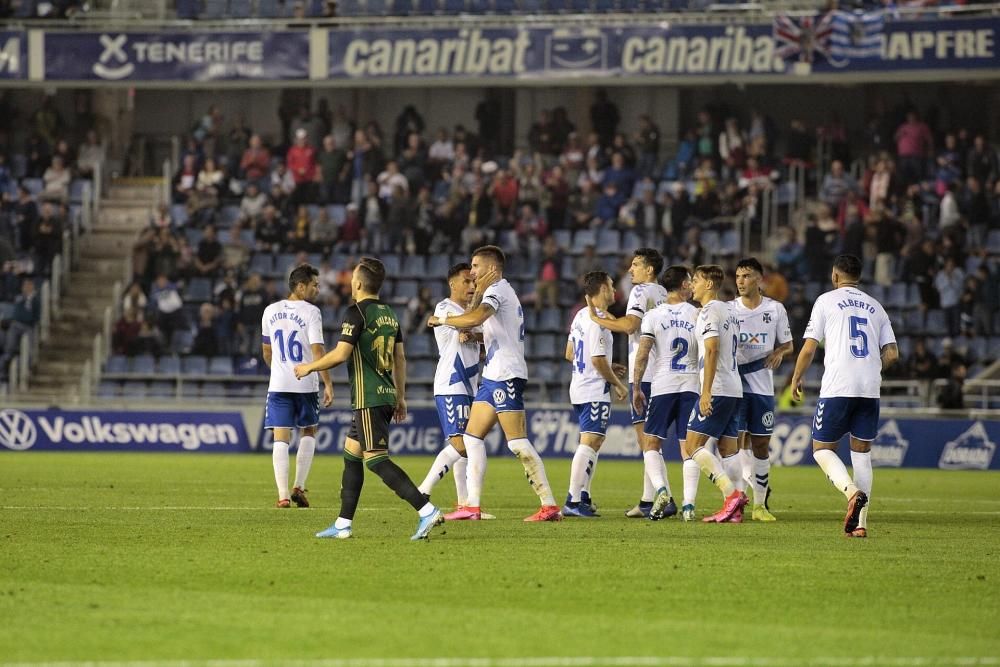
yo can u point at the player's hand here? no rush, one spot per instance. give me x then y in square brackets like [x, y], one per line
[465, 336]
[302, 370]
[797, 389]
[705, 405]
[638, 402]
[486, 279]
[773, 360]
[621, 392]
[433, 321]
[620, 371]
[400, 413]
[328, 396]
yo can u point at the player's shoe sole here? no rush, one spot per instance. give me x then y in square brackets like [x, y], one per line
[545, 513]
[299, 497]
[426, 523]
[854, 507]
[760, 513]
[335, 533]
[640, 511]
[857, 532]
[283, 504]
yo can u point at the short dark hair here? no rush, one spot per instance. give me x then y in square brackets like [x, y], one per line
[303, 273]
[712, 272]
[674, 276]
[652, 257]
[458, 268]
[849, 265]
[371, 272]
[593, 281]
[493, 252]
[750, 263]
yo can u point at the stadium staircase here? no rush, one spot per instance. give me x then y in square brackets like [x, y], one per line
[79, 337]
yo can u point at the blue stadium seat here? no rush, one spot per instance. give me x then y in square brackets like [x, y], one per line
[212, 390]
[228, 215]
[76, 189]
[563, 237]
[109, 389]
[437, 266]
[144, 364]
[194, 365]
[630, 241]
[422, 369]
[730, 243]
[913, 321]
[349, 8]
[214, 9]
[199, 290]
[162, 389]
[551, 320]
[240, 9]
[220, 366]
[170, 365]
[392, 265]
[272, 9]
[283, 264]
[505, 6]
[377, 7]
[33, 185]
[897, 296]
[186, 9]
[812, 291]
[426, 7]
[117, 363]
[993, 242]
[414, 266]
[337, 213]
[586, 6]
[315, 8]
[193, 236]
[453, 7]
[249, 366]
[584, 238]
[179, 214]
[530, 320]
[262, 263]
[134, 389]
[609, 242]
[405, 289]
[419, 345]
[935, 324]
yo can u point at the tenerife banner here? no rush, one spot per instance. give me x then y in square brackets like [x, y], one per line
[13, 55]
[838, 42]
[949, 444]
[182, 56]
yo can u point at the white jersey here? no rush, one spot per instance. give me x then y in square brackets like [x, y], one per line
[458, 364]
[291, 328]
[716, 320]
[855, 328]
[761, 330]
[503, 334]
[672, 328]
[588, 339]
[641, 300]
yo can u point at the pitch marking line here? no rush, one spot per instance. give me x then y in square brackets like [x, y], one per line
[650, 661]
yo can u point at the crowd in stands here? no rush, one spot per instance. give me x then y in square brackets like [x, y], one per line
[919, 204]
[43, 161]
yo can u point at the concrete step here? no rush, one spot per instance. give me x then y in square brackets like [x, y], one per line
[118, 244]
[54, 398]
[132, 193]
[104, 266]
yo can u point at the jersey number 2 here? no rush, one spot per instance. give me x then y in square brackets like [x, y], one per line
[293, 350]
[680, 349]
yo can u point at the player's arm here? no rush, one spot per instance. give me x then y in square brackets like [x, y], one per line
[470, 337]
[802, 364]
[334, 357]
[778, 354]
[570, 353]
[711, 366]
[642, 359]
[602, 366]
[265, 350]
[625, 325]
[399, 379]
[468, 319]
[318, 351]
[890, 354]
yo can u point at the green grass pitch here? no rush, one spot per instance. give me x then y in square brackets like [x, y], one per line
[170, 557]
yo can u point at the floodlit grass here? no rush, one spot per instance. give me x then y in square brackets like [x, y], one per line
[181, 557]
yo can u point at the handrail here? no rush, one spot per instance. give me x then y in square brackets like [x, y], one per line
[86, 384]
[23, 362]
[87, 208]
[45, 296]
[97, 353]
[52, 300]
[168, 175]
[106, 330]
[13, 376]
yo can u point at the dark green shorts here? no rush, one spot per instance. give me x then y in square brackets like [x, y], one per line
[370, 427]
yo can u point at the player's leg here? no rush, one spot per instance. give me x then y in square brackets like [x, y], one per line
[351, 483]
[743, 447]
[307, 419]
[658, 415]
[720, 424]
[638, 424]
[279, 418]
[746, 461]
[831, 422]
[374, 432]
[689, 469]
[593, 421]
[482, 417]
[451, 415]
[515, 430]
[864, 428]
[760, 447]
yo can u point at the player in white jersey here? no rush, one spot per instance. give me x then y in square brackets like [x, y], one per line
[455, 382]
[501, 393]
[292, 333]
[590, 351]
[646, 294]
[858, 343]
[765, 339]
[668, 334]
[715, 414]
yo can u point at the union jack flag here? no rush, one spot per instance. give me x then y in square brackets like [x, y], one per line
[803, 37]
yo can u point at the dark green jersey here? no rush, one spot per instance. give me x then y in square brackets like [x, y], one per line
[372, 328]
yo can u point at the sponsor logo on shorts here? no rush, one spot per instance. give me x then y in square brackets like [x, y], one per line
[499, 396]
[767, 419]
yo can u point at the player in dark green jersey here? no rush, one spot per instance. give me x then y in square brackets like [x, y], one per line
[371, 343]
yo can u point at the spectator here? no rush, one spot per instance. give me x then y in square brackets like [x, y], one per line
[620, 174]
[882, 184]
[975, 208]
[981, 162]
[609, 203]
[390, 179]
[987, 300]
[951, 396]
[322, 232]
[922, 363]
[206, 341]
[442, 151]
[604, 117]
[135, 299]
[270, 231]
[27, 314]
[949, 283]
[252, 204]
[252, 301]
[209, 258]
[334, 172]
[557, 196]
[224, 324]
[836, 185]
[298, 234]
[798, 144]
[203, 201]
[256, 162]
[504, 191]
[648, 141]
[540, 134]
[126, 333]
[587, 261]
[185, 180]
[47, 237]
[301, 160]
[167, 306]
[547, 286]
[418, 309]
[914, 143]
[373, 214]
[46, 121]
[949, 215]
[732, 147]
[57, 179]
[25, 218]
[530, 231]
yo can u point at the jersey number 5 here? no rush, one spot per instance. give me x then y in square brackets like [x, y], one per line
[293, 350]
[858, 333]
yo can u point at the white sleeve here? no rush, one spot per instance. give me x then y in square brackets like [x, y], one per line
[492, 297]
[647, 327]
[315, 328]
[886, 334]
[817, 323]
[265, 329]
[782, 328]
[708, 323]
[595, 341]
[636, 302]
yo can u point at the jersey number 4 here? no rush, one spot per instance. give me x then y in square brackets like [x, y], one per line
[290, 349]
[578, 364]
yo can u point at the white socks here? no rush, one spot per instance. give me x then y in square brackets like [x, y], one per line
[303, 459]
[446, 458]
[647, 487]
[836, 471]
[656, 470]
[733, 465]
[476, 472]
[459, 470]
[761, 478]
[746, 468]
[589, 479]
[862, 464]
[712, 466]
[581, 470]
[534, 469]
[279, 460]
[692, 474]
